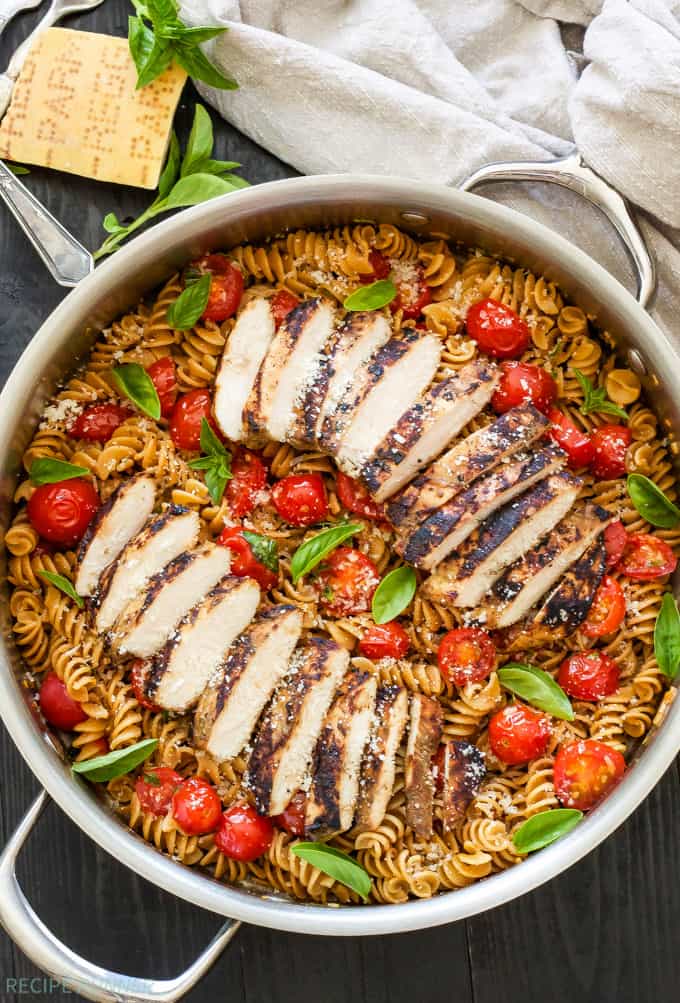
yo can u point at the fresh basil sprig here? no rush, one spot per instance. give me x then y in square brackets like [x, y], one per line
[336, 864]
[196, 178]
[595, 399]
[46, 470]
[667, 637]
[17, 168]
[216, 462]
[265, 550]
[312, 551]
[190, 304]
[537, 688]
[542, 829]
[394, 593]
[117, 763]
[134, 381]
[371, 297]
[63, 584]
[651, 502]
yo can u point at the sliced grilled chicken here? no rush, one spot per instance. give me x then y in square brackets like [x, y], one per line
[148, 621]
[463, 770]
[477, 454]
[163, 538]
[114, 525]
[243, 353]
[291, 726]
[529, 578]
[501, 540]
[337, 760]
[289, 365]
[184, 666]
[425, 731]
[257, 661]
[428, 427]
[454, 522]
[379, 766]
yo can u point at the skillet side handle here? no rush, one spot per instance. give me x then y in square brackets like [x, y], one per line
[571, 172]
[67, 968]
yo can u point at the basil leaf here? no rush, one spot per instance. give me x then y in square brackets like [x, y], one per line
[110, 223]
[46, 470]
[265, 550]
[195, 36]
[156, 63]
[394, 593]
[63, 584]
[210, 444]
[312, 551]
[196, 188]
[210, 166]
[595, 399]
[199, 66]
[134, 381]
[537, 688]
[651, 502]
[200, 142]
[371, 297]
[163, 12]
[188, 308]
[216, 477]
[336, 864]
[116, 764]
[171, 169]
[667, 637]
[216, 462]
[542, 829]
[140, 42]
[17, 168]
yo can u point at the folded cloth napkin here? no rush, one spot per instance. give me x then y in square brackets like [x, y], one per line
[432, 90]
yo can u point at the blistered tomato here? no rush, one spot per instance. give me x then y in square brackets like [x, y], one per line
[412, 296]
[522, 383]
[347, 581]
[163, 375]
[384, 640]
[615, 540]
[156, 787]
[301, 499]
[248, 479]
[58, 708]
[646, 557]
[243, 834]
[588, 675]
[355, 498]
[518, 734]
[98, 422]
[196, 807]
[187, 416]
[497, 329]
[282, 303]
[244, 564]
[466, 655]
[610, 443]
[577, 445]
[226, 286]
[62, 512]
[292, 818]
[607, 611]
[585, 772]
[138, 677]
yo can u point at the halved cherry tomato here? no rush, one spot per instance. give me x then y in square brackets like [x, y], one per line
[226, 287]
[156, 787]
[585, 772]
[138, 677]
[522, 383]
[98, 422]
[301, 499]
[610, 443]
[577, 444]
[243, 834]
[187, 415]
[380, 265]
[497, 329]
[588, 675]
[57, 706]
[249, 477]
[615, 540]
[385, 640]
[607, 611]
[62, 512]
[196, 807]
[292, 818]
[466, 655]
[518, 734]
[412, 296]
[244, 564]
[646, 557]
[347, 581]
[164, 377]
[282, 303]
[354, 497]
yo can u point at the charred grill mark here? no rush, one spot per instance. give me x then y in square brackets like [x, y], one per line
[464, 772]
[516, 577]
[569, 604]
[243, 649]
[425, 731]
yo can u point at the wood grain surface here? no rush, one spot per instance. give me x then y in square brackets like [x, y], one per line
[607, 931]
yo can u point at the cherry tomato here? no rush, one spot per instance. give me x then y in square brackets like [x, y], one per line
[138, 677]
[292, 818]
[585, 772]
[186, 418]
[466, 655]
[243, 834]
[380, 265]
[282, 303]
[164, 377]
[196, 807]
[347, 580]
[156, 787]
[226, 287]
[607, 611]
[588, 675]
[577, 444]
[615, 540]
[385, 640]
[647, 557]
[98, 422]
[249, 477]
[518, 734]
[57, 706]
[62, 512]
[522, 383]
[354, 497]
[412, 296]
[244, 564]
[301, 499]
[610, 443]
[497, 329]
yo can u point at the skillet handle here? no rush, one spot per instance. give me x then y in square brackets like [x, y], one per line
[67, 968]
[572, 172]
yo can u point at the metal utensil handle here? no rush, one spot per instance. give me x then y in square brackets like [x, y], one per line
[66, 967]
[67, 259]
[573, 173]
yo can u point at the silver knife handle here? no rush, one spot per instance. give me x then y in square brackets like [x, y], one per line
[67, 259]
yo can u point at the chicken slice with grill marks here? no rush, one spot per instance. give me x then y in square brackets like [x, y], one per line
[242, 357]
[425, 731]
[463, 769]
[378, 771]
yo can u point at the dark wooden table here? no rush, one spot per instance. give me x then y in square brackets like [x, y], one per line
[607, 931]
